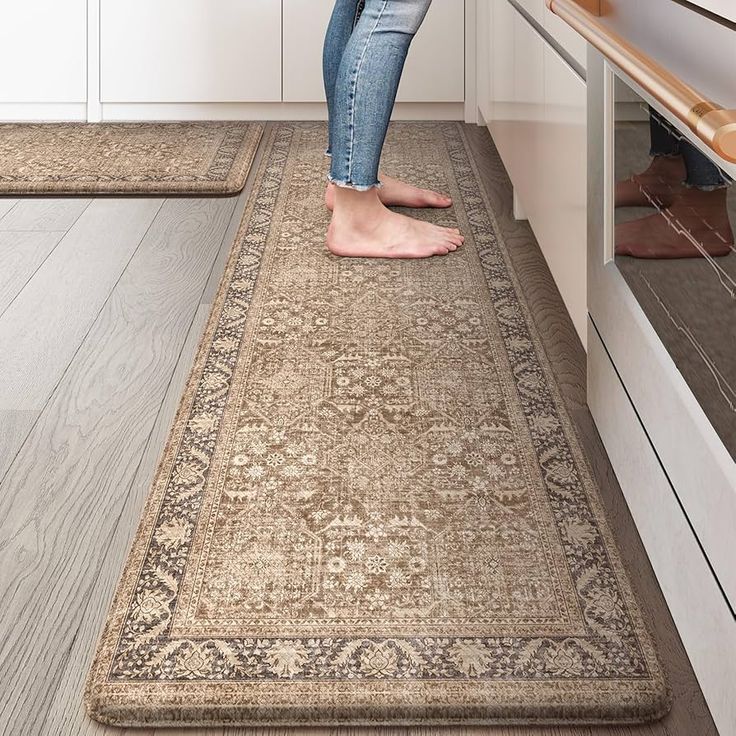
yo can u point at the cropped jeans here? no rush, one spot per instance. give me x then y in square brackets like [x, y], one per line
[364, 53]
[702, 173]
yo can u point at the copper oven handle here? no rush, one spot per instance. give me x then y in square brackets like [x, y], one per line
[715, 126]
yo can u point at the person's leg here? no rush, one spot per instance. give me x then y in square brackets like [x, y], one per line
[366, 85]
[365, 90]
[662, 139]
[345, 16]
[658, 185]
[702, 173]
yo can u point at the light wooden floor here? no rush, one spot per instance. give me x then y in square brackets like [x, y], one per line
[102, 302]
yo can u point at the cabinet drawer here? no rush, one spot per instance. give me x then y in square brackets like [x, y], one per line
[697, 604]
[435, 67]
[190, 51]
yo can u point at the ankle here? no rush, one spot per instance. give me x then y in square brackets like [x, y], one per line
[356, 206]
[670, 166]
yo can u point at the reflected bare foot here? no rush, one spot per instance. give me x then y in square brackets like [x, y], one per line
[658, 186]
[697, 224]
[396, 193]
[362, 226]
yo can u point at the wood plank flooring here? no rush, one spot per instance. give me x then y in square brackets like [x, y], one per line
[44, 213]
[44, 325]
[103, 315]
[7, 204]
[22, 255]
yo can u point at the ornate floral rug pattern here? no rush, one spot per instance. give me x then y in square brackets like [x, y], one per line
[372, 507]
[210, 157]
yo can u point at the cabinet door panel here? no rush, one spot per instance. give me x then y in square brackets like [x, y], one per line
[190, 51]
[538, 121]
[305, 24]
[435, 67]
[43, 51]
[501, 122]
[528, 107]
[560, 208]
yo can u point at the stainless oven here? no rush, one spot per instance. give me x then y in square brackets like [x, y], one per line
[661, 294]
[662, 215]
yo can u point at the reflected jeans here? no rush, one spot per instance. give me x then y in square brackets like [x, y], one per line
[702, 173]
[364, 53]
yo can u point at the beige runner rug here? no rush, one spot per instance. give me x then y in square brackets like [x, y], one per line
[211, 157]
[373, 507]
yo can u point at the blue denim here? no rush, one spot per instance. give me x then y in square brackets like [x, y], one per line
[364, 53]
[702, 173]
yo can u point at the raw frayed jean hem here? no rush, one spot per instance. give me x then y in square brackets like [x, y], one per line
[350, 185]
[706, 187]
[653, 153]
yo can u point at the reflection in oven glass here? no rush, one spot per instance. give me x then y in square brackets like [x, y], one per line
[674, 245]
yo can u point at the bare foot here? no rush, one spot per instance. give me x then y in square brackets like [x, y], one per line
[396, 193]
[658, 186]
[362, 226]
[696, 224]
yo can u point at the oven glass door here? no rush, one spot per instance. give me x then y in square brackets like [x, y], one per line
[674, 214]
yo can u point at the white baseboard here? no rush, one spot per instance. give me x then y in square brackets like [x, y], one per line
[42, 111]
[109, 111]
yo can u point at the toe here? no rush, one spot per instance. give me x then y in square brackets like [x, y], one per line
[438, 199]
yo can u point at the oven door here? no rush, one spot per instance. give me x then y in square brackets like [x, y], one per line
[662, 317]
[662, 292]
[662, 269]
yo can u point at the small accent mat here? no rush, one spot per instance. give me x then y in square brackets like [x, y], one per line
[210, 157]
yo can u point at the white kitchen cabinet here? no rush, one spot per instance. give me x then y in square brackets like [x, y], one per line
[558, 209]
[703, 620]
[537, 117]
[190, 51]
[435, 67]
[573, 43]
[43, 51]
[499, 99]
[198, 59]
[527, 113]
